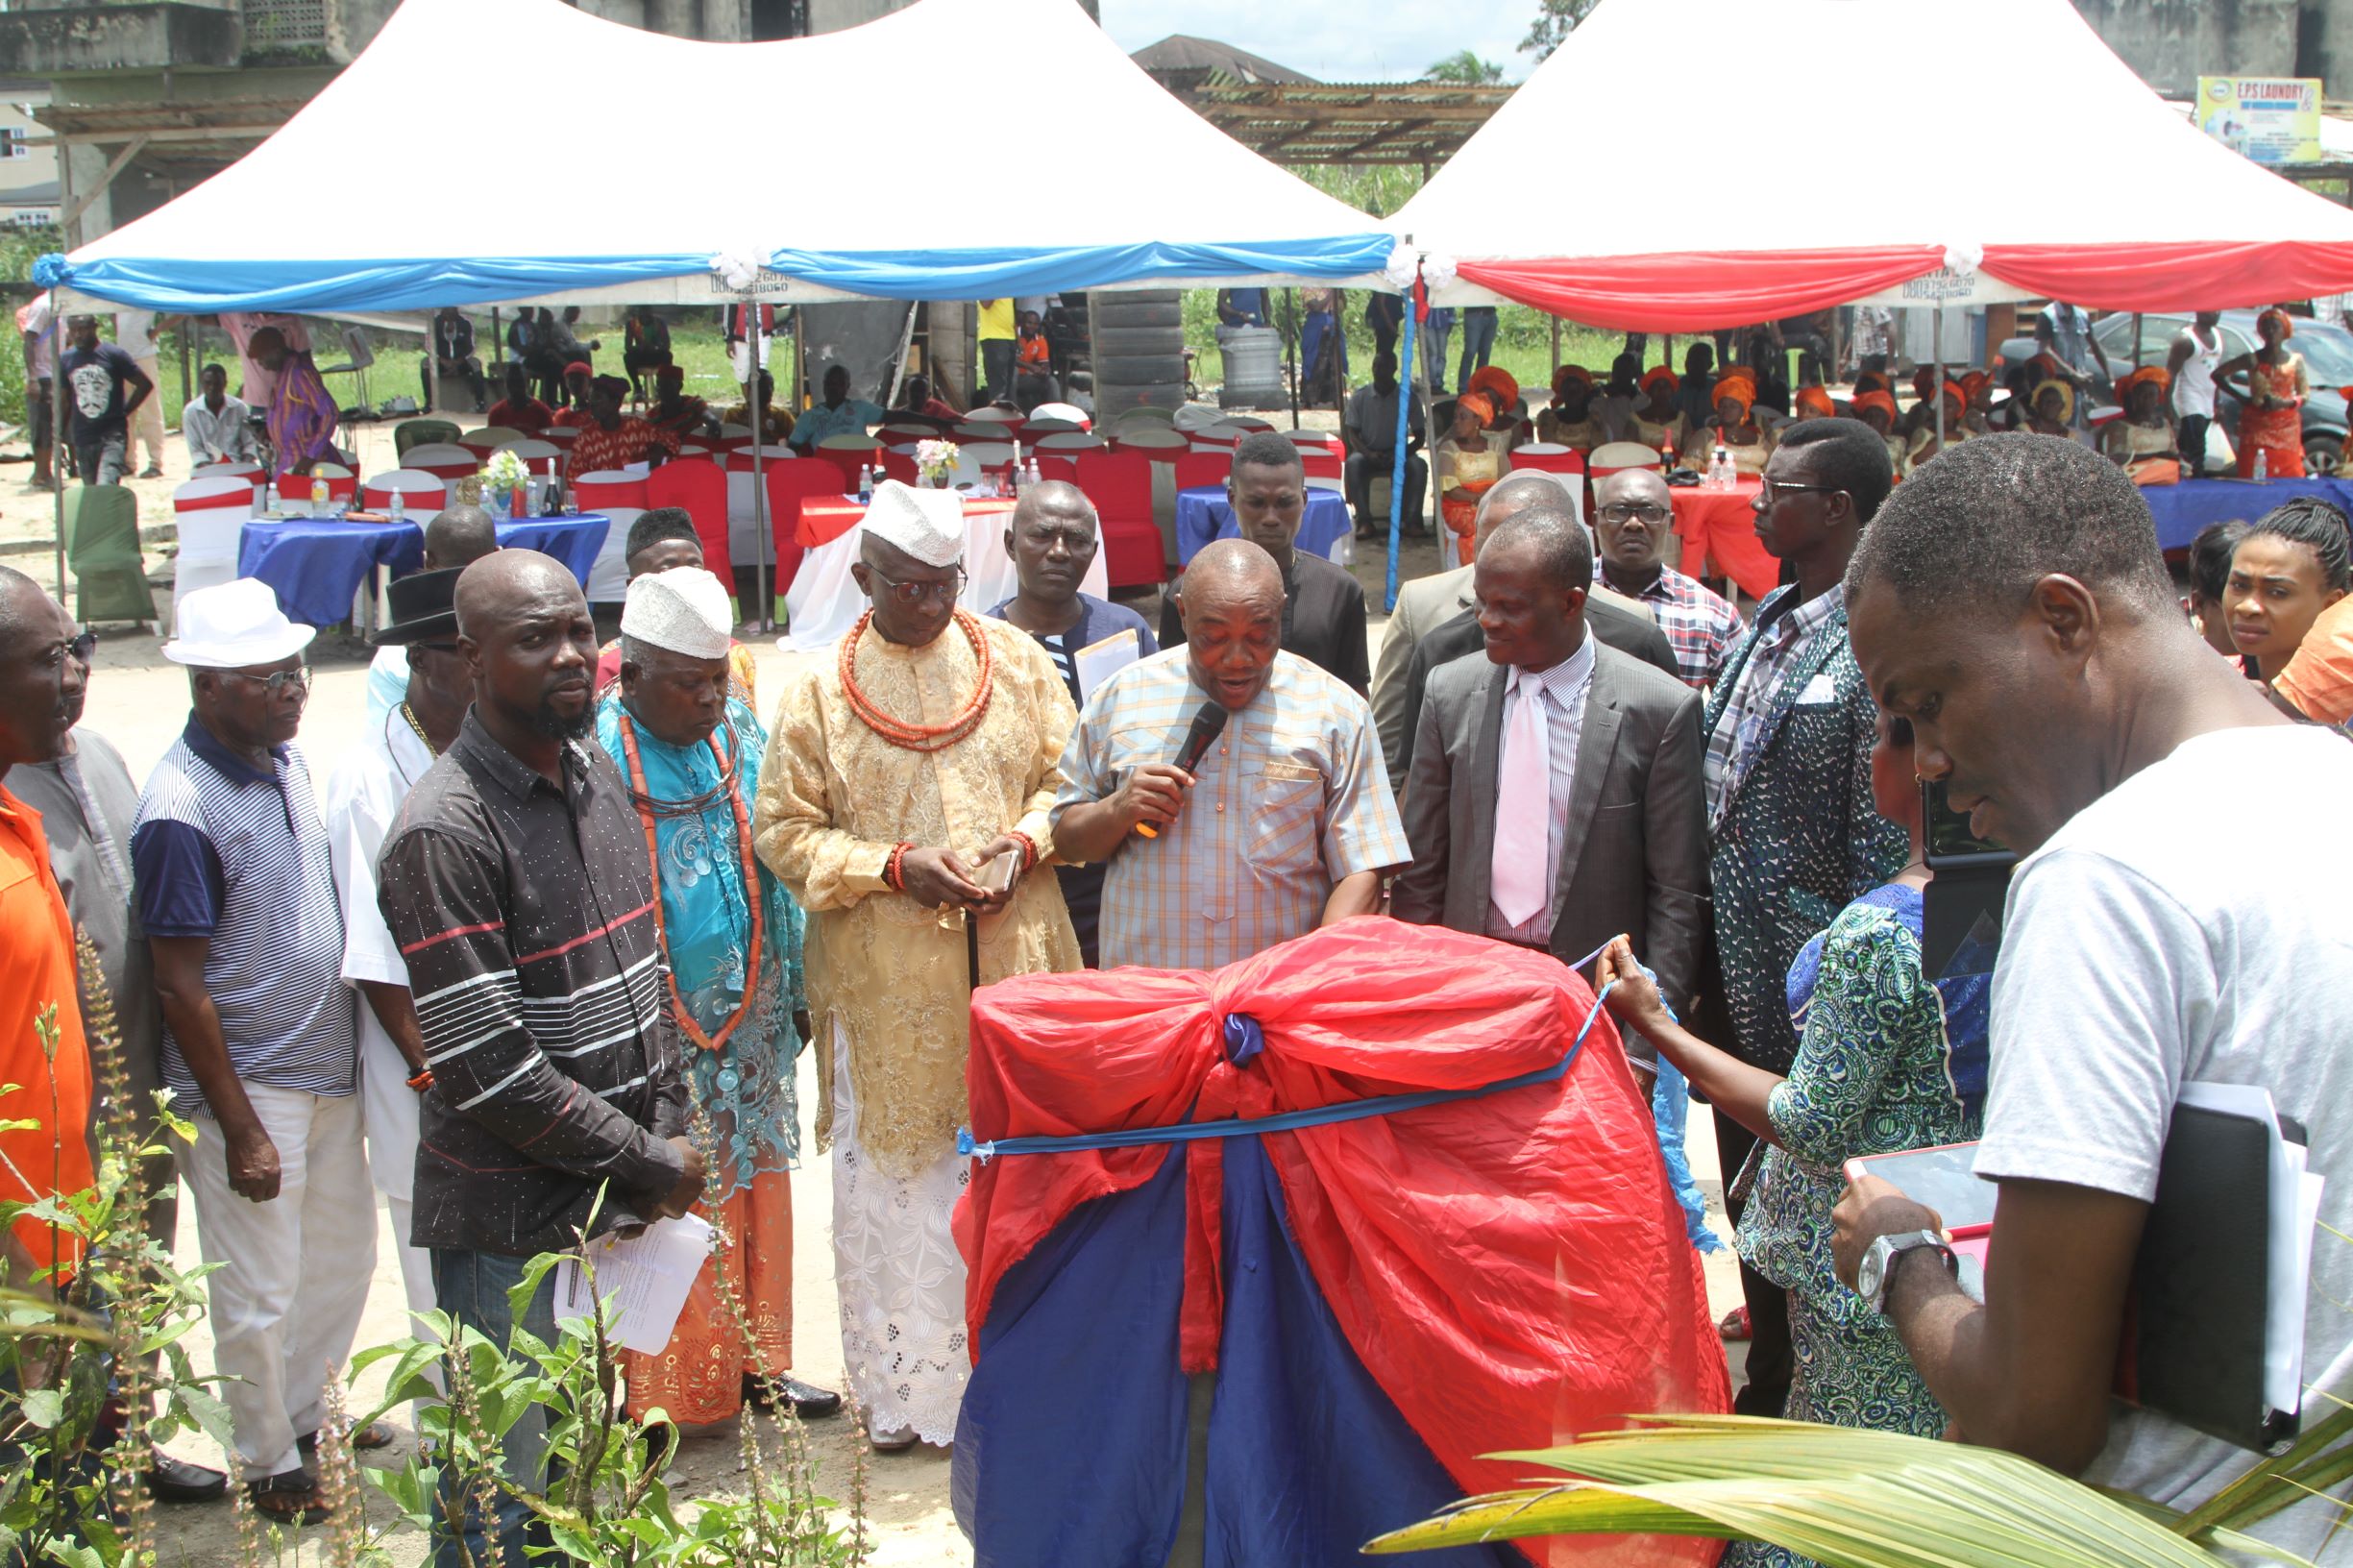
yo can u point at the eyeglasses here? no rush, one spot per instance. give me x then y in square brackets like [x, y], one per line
[916, 593]
[1622, 513]
[1776, 489]
[79, 647]
[274, 685]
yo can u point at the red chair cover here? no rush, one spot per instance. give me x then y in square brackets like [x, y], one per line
[1058, 465]
[601, 491]
[1133, 555]
[847, 461]
[1549, 462]
[1320, 464]
[213, 493]
[1195, 468]
[1119, 483]
[698, 486]
[788, 486]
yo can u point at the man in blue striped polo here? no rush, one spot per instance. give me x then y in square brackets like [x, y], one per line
[231, 862]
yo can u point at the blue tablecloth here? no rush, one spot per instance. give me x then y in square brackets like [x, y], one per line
[2184, 511]
[1203, 515]
[316, 565]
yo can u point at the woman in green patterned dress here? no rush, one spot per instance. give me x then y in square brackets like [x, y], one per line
[1887, 1060]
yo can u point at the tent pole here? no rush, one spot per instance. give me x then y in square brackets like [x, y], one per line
[498, 345]
[1290, 332]
[2136, 340]
[1407, 392]
[60, 413]
[898, 368]
[1556, 348]
[1939, 393]
[432, 365]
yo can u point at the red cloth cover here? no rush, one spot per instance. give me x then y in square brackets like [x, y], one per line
[1512, 1268]
[1719, 533]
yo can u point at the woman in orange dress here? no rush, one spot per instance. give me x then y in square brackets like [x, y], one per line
[1511, 423]
[2273, 385]
[1469, 463]
[1658, 422]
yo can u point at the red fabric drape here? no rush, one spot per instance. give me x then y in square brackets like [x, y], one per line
[1697, 291]
[2201, 275]
[1512, 1268]
[1682, 292]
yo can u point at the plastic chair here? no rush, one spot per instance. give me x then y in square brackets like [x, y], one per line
[986, 456]
[562, 435]
[608, 488]
[696, 485]
[417, 433]
[342, 484]
[1119, 484]
[1325, 469]
[488, 439]
[738, 459]
[217, 471]
[848, 453]
[1615, 457]
[101, 546]
[994, 416]
[894, 434]
[421, 495]
[538, 456]
[899, 465]
[1220, 434]
[732, 436]
[1159, 445]
[1069, 411]
[443, 461]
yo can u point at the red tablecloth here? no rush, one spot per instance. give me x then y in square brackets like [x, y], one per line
[1718, 528]
[827, 518]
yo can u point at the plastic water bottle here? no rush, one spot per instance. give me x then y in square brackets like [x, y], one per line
[269, 495]
[398, 506]
[1720, 472]
[865, 483]
[2263, 465]
[1031, 476]
[318, 497]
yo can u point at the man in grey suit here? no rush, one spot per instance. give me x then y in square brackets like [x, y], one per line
[1427, 604]
[1555, 796]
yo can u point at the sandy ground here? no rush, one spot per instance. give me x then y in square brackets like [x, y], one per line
[138, 700]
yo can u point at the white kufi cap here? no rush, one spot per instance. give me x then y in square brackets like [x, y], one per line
[928, 524]
[686, 610]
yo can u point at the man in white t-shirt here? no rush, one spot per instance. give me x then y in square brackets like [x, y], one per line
[2197, 349]
[2010, 601]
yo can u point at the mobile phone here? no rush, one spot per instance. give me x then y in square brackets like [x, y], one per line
[998, 872]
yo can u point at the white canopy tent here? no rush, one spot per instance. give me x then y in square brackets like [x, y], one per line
[2128, 207]
[869, 201]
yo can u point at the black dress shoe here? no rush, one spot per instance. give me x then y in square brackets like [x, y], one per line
[177, 1481]
[809, 1401]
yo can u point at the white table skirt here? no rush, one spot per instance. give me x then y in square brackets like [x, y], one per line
[823, 601]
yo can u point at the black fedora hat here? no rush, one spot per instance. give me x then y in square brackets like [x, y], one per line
[424, 608]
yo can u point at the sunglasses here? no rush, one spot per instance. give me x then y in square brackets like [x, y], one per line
[916, 593]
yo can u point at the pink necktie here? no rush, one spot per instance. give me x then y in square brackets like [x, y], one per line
[1523, 807]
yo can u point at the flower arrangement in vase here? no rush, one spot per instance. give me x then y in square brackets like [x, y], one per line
[505, 474]
[935, 463]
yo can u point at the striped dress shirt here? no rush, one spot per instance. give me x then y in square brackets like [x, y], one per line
[1291, 798]
[525, 912]
[222, 851]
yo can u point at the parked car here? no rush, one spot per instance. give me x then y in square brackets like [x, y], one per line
[2328, 361]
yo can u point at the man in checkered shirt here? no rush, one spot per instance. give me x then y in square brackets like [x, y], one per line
[1632, 512]
[1285, 824]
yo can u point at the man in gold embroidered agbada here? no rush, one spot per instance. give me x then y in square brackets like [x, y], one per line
[898, 772]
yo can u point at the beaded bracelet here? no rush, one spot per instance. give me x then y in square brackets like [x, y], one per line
[1029, 849]
[891, 876]
[422, 1081]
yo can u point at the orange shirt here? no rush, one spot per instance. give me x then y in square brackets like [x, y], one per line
[37, 970]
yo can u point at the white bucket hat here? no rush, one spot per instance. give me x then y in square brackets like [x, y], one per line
[234, 626]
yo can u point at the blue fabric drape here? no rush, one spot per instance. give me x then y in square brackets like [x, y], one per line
[1070, 1448]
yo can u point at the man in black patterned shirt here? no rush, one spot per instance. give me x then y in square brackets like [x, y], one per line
[515, 885]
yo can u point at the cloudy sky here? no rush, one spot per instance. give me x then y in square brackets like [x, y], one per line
[1334, 40]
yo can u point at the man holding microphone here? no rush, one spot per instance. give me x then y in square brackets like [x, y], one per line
[1287, 822]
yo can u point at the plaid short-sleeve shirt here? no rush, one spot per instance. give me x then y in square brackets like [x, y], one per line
[1292, 798]
[1700, 624]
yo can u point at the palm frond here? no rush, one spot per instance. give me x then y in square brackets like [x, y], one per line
[1846, 1498]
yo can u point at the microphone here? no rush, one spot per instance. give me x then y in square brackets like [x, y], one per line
[1207, 725]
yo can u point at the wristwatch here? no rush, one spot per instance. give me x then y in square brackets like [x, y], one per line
[1878, 1265]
